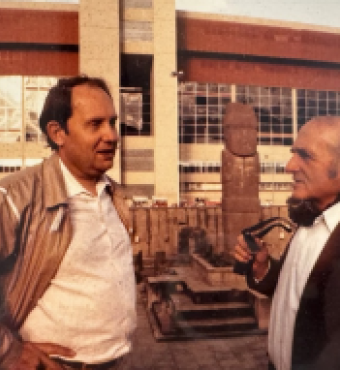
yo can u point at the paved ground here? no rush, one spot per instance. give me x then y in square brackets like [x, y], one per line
[241, 353]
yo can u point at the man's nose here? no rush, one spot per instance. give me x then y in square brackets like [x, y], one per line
[110, 133]
[292, 164]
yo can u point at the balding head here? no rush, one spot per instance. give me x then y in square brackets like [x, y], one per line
[315, 163]
[328, 129]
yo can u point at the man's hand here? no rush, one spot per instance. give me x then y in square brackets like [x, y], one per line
[243, 254]
[35, 356]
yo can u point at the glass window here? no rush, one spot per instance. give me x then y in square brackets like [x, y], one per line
[316, 103]
[205, 105]
[10, 109]
[35, 91]
[273, 107]
[21, 101]
[135, 112]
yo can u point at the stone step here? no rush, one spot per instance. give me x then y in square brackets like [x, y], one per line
[200, 292]
[191, 334]
[170, 324]
[217, 325]
[203, 292]
[183, 302]
[206, 312]
[186, 309]
[217, 295]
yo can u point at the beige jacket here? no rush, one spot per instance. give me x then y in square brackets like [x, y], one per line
[37, 197]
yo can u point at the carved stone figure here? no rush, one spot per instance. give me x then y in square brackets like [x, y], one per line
[240, 129]
[239, 172]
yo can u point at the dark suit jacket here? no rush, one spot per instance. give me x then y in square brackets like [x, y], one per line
[316, 343]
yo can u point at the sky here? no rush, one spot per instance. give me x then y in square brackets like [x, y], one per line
[317, 12]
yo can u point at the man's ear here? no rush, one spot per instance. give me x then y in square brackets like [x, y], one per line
[56, 133]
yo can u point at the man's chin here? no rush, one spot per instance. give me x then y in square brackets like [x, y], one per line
[107, 167]
[101, 168]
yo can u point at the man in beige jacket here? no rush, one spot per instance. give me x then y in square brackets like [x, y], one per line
[66, 274]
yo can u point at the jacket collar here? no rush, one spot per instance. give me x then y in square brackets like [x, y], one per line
[54, 189]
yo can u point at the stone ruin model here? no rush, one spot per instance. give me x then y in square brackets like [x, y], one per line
[202, 300]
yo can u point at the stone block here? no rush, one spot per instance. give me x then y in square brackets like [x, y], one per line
[141, 224]
[181, 215]
[201, 217]
[213, 278]
[173, 230]
[239, 175]
[233, 224]
[238, 221]
[211, 218]
[155, 243]
[238, 204]
[192, 217]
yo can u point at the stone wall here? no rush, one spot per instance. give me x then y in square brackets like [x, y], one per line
[183, 230]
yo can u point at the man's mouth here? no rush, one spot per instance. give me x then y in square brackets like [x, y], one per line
[107, 152]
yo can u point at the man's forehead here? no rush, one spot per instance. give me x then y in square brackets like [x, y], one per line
[87, 98]
[304, 138]
[88, 92]
[314, 139]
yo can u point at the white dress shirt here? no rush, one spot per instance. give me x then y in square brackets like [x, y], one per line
[90, 304]
[303, 253]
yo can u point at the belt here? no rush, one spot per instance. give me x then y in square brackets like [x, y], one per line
[83, 366]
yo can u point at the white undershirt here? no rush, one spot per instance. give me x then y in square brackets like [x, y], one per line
[303, 253]
[90, 304]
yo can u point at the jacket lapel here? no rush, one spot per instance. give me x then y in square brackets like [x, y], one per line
[310, 332]
[330, 253]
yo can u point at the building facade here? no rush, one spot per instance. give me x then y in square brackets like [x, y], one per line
[171, 73]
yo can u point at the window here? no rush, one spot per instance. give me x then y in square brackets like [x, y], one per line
[270, 167]
[273, 108]
[35, 91]
[135, 112]
[21, 101]
[275, 186]
[201, 109]
[137, 3]
[311, 103]
[10, 109]
[201, 167]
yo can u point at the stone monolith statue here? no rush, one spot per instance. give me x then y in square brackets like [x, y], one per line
[239, 173]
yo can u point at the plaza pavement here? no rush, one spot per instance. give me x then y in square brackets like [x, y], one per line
[240, 353]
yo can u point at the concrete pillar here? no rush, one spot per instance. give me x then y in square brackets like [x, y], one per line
[164, 100]
[99, 41]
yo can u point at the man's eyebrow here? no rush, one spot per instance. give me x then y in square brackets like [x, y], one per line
[100, 118]
[303, 153]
